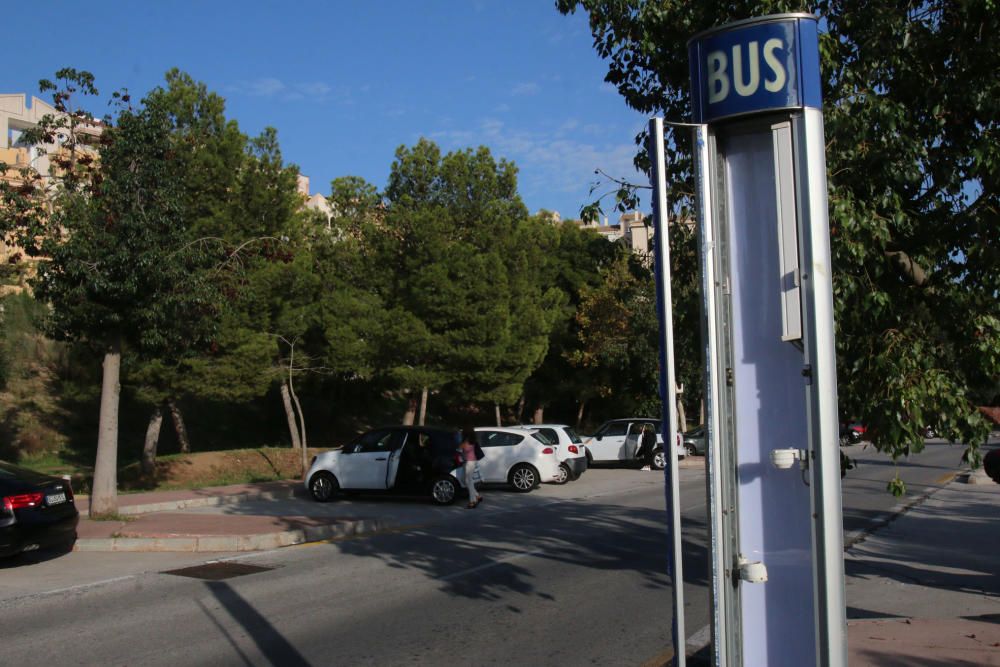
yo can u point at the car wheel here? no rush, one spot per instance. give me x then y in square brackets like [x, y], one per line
[689, 450]
[523, 477]
[659, 459]
[444, 490]
[323, 486]
[563, 475]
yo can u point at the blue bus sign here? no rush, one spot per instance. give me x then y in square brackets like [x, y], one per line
[757, 65]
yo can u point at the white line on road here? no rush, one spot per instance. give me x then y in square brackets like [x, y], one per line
[68, 589]
[523, 554]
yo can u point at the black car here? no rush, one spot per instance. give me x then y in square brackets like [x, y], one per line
[36, 511]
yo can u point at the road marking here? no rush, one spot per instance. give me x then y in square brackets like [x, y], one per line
[68, 589]
[693, 644]
[486, 566]
[946, 478]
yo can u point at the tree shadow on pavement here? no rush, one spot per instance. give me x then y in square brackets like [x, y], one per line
[478, 554]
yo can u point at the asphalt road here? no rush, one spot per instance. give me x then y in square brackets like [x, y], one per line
[566, 575]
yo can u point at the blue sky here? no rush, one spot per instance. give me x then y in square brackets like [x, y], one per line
[346, 83]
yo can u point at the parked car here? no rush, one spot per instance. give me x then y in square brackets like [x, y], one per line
[618, 440]
[36, 511]
[407, 460]
[693, 441]
[570, 450]
[516, 457]
[851, 433]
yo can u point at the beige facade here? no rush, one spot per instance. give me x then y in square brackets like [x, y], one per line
[630, 229]
[44, 159]
[314, 202]
[36, 167]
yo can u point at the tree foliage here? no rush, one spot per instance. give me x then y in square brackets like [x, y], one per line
[910, 104]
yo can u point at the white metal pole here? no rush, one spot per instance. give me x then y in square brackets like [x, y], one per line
[828, 532]
[723, 607]
[669, 391]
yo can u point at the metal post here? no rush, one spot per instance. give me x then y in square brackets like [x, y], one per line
[668, 386]
[828, 531]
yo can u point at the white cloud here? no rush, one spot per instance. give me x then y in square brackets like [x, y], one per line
[526, 88]
[273, 87]
[554, 166]
[266, 87]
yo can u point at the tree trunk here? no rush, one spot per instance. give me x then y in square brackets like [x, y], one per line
[702, 410]
[681, 417]
[539, 417]
[104, 494]
[182, 434]
[293, 427]
[423, 406]
[496, 408]
[579, 413]
[148, 462]
[302, 427]
[411, 411]
[520, 410]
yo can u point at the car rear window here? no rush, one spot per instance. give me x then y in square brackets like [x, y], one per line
[573, 437]
[547, 435]
[498, 439]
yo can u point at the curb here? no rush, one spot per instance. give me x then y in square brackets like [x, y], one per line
[205, 543]
[188, 503]
[898, 510]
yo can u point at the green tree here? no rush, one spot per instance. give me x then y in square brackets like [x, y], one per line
[121, 270]
[618, 334]
[913, 169]
[572, 260]
[469, 316]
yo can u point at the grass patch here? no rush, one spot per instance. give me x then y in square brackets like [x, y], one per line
[186, 471]
[113, 516]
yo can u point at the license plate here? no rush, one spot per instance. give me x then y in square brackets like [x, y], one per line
[55, 499]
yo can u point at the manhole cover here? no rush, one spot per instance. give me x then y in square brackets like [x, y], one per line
[218, 571]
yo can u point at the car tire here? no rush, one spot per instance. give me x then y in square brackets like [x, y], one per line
[323, 487]
[689, 450]
[444, 490]
[563, 475]
[590, 459]
[523, 477]
[659, 461]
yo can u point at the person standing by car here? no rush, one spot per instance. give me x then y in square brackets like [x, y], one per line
[647, 443]
[469, 447]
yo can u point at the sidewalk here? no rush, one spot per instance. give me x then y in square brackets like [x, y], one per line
[925, 589]
[171, 521]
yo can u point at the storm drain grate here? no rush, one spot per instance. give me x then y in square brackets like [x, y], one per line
[218, 571]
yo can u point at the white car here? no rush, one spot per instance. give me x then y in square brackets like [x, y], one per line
[570, 450]
[407, 460]
[618, 440]
[516, 457]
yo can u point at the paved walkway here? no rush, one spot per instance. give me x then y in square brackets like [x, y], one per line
[924, 591]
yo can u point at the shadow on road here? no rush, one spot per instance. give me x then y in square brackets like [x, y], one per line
[277, 649]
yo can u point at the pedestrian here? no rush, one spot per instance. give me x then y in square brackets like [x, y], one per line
[647, 443]
[468, 448]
